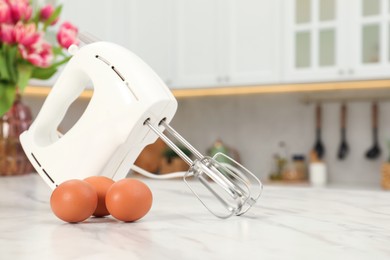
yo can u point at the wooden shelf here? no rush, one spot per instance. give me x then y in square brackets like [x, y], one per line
[250, 90]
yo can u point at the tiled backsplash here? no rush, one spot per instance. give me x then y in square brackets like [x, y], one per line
[256, 124]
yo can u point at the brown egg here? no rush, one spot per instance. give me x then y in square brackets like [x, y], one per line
[129, 200]
[101, 185]
[74, 201]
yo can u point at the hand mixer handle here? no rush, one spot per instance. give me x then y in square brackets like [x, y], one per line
[71, 83]
[67, 89]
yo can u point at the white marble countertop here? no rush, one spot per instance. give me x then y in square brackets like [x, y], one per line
[287, 223]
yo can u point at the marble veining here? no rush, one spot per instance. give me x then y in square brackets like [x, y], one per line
[287, 223]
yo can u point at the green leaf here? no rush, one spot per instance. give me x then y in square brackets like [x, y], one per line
[53, 17]
[35, 19]
[43, 73]
[25, 72]
[10, 58]
[7, 96]
[4, 75]
[46, 73]
[37, 14]
[57, 50]
[59, 63]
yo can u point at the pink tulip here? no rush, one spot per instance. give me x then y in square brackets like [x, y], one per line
[26, 35]
[7, 33]
[40, 54]
[5, 12]
[67, 35]
[46, 12]
[20, 10]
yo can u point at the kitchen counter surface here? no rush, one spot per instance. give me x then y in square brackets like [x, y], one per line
[287, 223]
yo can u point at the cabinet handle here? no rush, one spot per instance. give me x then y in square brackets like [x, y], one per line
[351, 71]
[219, 79]
[168, 82]
[341, 72]
[227, 78]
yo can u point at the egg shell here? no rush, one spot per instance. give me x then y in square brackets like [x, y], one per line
[101, 185]
[129, 200]
[74, 201]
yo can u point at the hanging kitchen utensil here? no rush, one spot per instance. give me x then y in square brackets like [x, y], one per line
[318, 146]
[344, 147]
[375, 151]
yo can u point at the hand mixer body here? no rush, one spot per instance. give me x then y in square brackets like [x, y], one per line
[111, 133]
[129, 109]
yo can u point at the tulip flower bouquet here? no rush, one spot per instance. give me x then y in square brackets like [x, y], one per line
[24, 51]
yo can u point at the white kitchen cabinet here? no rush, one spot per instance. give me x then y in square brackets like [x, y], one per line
[315, 40]
[370, 25]
[196, 43]
[152, 34]
[103, 19]
[229, 42]
[336, 40]
[252, 42]
[143, 26]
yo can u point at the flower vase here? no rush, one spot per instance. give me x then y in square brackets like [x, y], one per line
[13, 160]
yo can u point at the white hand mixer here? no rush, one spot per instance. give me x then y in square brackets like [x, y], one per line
[130, 107]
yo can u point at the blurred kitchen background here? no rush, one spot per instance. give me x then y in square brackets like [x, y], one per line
[293, 55]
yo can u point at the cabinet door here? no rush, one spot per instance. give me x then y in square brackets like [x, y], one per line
[252, 42]
[103, 19]
[151, 35]
[370, 57]
[196, 43]
[315, 39]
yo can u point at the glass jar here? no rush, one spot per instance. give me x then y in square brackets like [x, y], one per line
[296, 170]
[279, 162]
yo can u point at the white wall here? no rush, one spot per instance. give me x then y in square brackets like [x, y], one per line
[255, 124]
